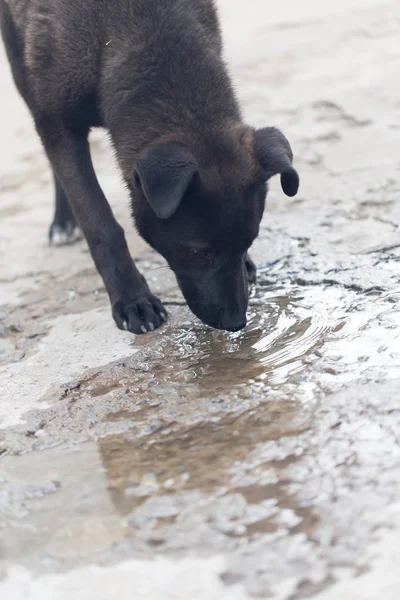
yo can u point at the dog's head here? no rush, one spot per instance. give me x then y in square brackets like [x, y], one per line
[201, 209]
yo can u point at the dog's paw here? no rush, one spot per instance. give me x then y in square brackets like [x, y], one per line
[142, 315]
[67, 233]
[251, 270]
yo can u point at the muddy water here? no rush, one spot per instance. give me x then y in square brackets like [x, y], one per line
[208, 442]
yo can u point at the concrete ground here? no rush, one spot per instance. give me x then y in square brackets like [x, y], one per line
[191, 463]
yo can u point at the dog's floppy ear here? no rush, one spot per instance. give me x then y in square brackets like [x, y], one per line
[275, 156]
[164, 174]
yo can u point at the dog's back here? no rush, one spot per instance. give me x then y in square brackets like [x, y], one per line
[61, 48]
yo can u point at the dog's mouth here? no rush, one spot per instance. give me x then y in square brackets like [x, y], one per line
[226, 313]
[219, 318]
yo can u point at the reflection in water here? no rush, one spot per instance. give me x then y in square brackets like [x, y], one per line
[202, 457]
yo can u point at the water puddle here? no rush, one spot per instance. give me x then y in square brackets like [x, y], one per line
[193, 362]
[207, 442]
[281, 331]
[285, 336]
[138, 492]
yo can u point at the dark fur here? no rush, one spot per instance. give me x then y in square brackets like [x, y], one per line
[151, 72]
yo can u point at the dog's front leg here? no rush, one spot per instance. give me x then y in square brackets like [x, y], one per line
[133, 305]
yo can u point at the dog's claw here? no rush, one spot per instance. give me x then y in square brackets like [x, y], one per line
[140, 316]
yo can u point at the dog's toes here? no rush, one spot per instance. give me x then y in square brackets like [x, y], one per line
[251, 270]
[143, 315]
[67, 233]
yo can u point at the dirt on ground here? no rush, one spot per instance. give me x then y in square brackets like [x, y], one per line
[191, 463]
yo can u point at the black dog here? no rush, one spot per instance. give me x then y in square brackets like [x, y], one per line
[151, 73]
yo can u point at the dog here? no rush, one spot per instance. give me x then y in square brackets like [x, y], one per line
[152, 73]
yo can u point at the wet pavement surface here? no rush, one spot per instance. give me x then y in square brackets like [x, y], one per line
[260, 464]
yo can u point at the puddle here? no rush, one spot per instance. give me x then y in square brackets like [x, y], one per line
[194, 361]
[286, 335]
[297, 346]
[199, 457]
[131, 491]
[242, 444]
[281, 331]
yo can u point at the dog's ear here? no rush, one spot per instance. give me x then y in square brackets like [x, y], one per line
[164, 174]
[275, 156]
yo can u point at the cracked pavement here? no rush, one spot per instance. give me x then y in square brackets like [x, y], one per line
[190, 463]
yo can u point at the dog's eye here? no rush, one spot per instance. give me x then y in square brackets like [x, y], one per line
[198, 248]
[206, 252]
[202, 256]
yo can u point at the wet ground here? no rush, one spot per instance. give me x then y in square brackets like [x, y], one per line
[191, 463]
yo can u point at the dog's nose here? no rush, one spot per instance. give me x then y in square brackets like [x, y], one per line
[232, 324]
